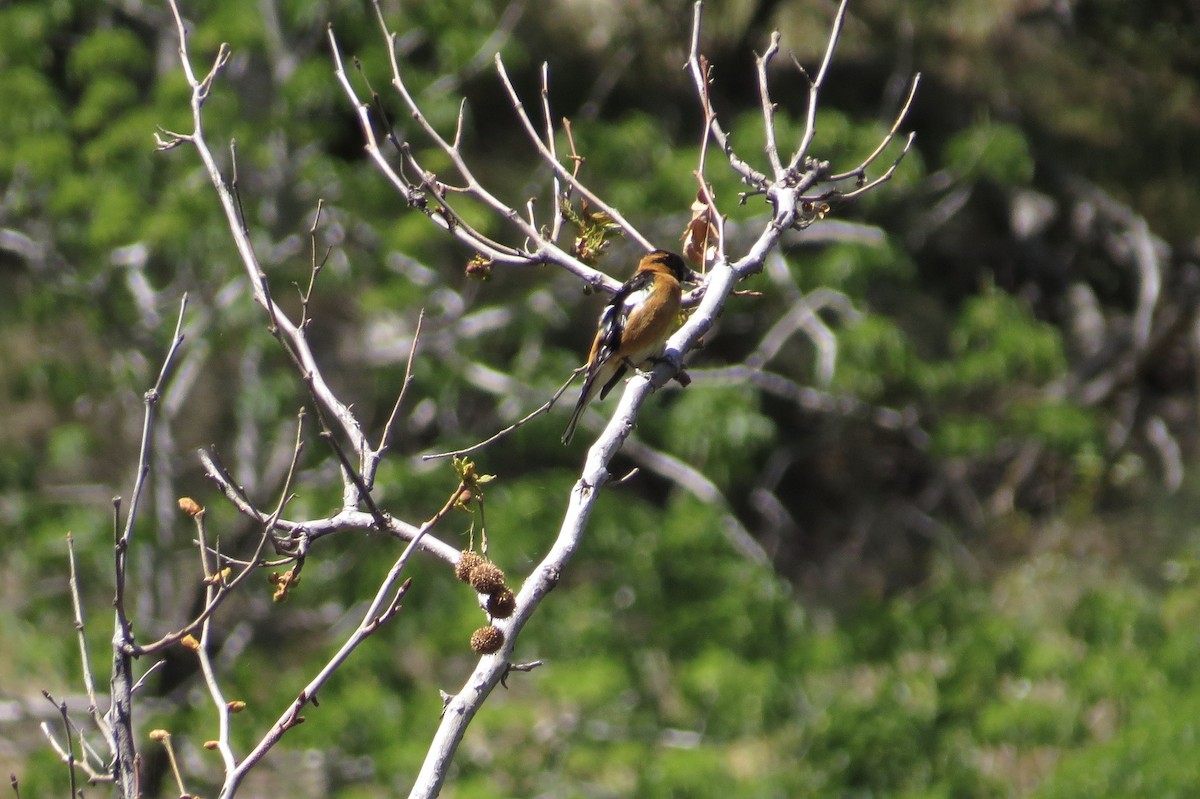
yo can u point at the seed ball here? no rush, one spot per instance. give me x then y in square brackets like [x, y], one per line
[467, 561]
[486, 578]
[487, 640]
[501, 604]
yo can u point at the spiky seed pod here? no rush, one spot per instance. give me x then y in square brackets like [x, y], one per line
[487, 640]
[486, 578]
[501, 604]
[467, 561]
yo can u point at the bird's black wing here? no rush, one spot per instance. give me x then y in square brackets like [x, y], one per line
[616, 313]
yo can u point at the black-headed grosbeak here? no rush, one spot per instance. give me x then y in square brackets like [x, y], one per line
[633, 326]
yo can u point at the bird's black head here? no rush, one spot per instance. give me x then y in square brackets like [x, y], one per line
[673, 263]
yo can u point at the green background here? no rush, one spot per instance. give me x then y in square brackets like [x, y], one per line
[996, 597]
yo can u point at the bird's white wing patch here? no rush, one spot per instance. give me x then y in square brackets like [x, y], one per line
[634, 299]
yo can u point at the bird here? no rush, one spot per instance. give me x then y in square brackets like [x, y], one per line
[633, 327]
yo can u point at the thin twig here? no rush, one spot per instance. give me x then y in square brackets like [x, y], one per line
[66, 720]
[700, 77]
[218, 590]
[375, 616]
[151, 399]
[861, 169]
[455, 155]
[814, 89]
[768, 107]
[85, 658]
[315, 267]
[546, 406]
[233, 185]
[715, 216]
[519, 667]
[314, 529]
[121, 683]
[549, 157]
[556, 186]
[165, 739]
[386, 437]
[296, 345]
[884, 178]
[141, 681]
[87, 755]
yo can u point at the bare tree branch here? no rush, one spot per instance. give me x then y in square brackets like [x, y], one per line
[85, 659]
[297, 344]
[768, 107]
[562, 172]
[121, 686]
[218, 589]
[497, 436]
[790, 209]
[386, 437]
[861, 170]
[302, 533]
[784, 197]
[814, 91]
[538, 248]
[698, 68]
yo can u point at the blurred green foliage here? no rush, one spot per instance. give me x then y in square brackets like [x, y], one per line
[995, 152]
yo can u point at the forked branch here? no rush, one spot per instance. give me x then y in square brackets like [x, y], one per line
[430, 195]
[803, 173]
[795, 190]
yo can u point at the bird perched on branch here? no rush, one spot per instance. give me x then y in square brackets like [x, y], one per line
[633, 326]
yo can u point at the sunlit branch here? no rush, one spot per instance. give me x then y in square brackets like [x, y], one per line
[861, 169]
[768, 107]
[543, 408]
[566, 175]
[700, 77]
[814, 89]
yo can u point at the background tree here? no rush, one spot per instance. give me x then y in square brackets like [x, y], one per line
[975, 492]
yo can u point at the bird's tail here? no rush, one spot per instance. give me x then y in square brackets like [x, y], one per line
[585, 396]
[570, 431]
